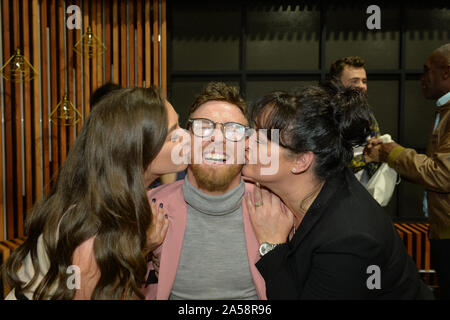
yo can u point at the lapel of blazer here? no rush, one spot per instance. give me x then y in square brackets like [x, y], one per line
[171, 248]
[252, 247]
[317, 209]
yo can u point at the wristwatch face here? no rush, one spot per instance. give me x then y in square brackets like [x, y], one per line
[265, 247]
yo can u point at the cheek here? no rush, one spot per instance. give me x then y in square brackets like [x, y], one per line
[164, 156]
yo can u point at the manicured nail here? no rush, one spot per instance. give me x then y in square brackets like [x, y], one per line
[161, 205]
[153, 200]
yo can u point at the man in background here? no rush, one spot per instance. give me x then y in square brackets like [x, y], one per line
[431, 170]
[350, 72]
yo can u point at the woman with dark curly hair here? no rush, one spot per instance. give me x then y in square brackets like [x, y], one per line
[328, 238]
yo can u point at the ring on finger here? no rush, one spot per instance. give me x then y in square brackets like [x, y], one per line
[258, 204]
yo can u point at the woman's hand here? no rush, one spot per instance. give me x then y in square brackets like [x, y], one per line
[157, 231]
[271, 220]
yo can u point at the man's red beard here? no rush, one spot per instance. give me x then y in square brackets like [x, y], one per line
[215, 179]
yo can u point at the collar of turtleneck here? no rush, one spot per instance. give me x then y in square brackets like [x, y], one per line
[213, 205]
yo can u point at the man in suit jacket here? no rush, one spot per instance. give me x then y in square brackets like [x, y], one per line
[431, 170]
[210, 249]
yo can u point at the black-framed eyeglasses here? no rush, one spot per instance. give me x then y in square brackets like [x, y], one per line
[232, 131]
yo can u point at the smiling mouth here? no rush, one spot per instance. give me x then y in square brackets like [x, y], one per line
[215, 158]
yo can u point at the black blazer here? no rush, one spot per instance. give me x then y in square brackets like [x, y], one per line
[342, 240]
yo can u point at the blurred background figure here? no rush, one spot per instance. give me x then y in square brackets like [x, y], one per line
[431, 170]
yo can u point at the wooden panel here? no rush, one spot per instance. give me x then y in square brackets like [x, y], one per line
[93, 14]
[148, 36]
[27, 115]
[131, 43]
[408, 239]
[61, 23]
[46, 106]
[99, 26]
[140, 44]
[163, 47]
[400, 233]
[34, 147]
[37, 141]
[108, 41]
[417, 235]
[5, 252]
[7, 96]
[86, 62]
[427, 254]
[54, 89]
[70, 78]
[2, 200]
[18, 129]
[79, 73]
[156, 43]
[115, 32]
[123, 44]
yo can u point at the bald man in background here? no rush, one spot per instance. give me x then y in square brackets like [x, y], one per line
[431, 170]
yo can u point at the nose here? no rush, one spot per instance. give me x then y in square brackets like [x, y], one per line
[362, 85]
[217, 134]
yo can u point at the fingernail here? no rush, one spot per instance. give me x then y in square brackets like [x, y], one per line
[166, 216]
[153, 200]
[161, 205]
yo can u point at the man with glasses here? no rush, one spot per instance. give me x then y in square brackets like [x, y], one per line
[210, 249]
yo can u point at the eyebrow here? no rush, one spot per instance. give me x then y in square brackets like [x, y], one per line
[174, 126]
[245, 125]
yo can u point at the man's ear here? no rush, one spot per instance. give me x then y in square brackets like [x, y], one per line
[302, 162]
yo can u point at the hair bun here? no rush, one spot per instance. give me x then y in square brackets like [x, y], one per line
[352, 115]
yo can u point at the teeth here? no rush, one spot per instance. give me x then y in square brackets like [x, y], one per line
[215, 157]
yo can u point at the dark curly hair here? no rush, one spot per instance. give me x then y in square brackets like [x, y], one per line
[328, 120]
[338, 66]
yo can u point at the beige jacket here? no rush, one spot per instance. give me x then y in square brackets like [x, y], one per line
[431, 171]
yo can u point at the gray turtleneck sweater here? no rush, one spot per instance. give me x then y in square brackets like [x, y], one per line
[214, 261]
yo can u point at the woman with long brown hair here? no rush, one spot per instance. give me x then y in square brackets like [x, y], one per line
[97, 219]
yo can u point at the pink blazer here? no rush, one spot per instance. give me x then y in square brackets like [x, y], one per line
[171, 195]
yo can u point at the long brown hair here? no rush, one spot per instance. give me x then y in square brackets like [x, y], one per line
[100, 191]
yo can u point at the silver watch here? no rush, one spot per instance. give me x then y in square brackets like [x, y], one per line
[266, 247]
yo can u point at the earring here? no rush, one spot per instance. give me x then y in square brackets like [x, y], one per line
[294, 170]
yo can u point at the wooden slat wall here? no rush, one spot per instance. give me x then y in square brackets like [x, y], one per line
[33, 148]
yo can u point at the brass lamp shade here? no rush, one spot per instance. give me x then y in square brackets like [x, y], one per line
[89, 44]
[65, 113]
[18, 69]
